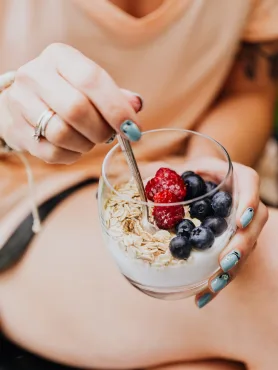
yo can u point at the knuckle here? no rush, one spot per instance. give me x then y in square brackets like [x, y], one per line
[248, 240]
[255, 176]
[61, 134]
[53, 156]
[22, 73]
[92, 75]
[27, 72]
[53, 48]
[77, 110]
[265, 214]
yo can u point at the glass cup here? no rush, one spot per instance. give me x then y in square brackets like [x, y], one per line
[176, 261]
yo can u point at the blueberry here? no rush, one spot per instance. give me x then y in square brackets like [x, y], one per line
[195, 185]
[180, 247]
[201, 209]
[217, 225]
[201, 238]
[222, 204]
[185, 227]
[187, 173]
[210, 186]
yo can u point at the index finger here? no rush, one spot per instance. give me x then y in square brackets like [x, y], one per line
[101, 90]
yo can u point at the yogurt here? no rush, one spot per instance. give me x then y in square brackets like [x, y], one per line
[197, 268]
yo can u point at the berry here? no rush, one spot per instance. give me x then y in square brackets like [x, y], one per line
[165, 173]
[222, 204]
[210, 186]
[165, 196]
[217, 225]
[195, 186]
[201, 238]
[201, 209]
[167, 180]
[166, 217]
[187, 173]
[180, 247]
[152, 188]
[185, 227]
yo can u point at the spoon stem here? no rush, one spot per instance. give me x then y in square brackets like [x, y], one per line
[129, 155]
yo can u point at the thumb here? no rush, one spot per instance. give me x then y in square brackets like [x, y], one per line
[134, 99]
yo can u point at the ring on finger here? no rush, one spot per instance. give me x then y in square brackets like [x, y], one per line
[42, 123]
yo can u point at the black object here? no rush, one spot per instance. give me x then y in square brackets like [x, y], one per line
[18, 242]
[201, 238]
[222, 204]
[184, 227]
[201, 209]
[15, 358]
[195, 185]
[217, 225]
[180, 247]
[11, 356]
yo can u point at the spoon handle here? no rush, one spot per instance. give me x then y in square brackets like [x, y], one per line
[129, 155]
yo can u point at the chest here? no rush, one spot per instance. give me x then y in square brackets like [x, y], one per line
[177, 65]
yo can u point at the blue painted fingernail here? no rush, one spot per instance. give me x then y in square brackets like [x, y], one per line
[247, 217]
[204, 299]
[230, 260]
[131, 130]
[219, 282]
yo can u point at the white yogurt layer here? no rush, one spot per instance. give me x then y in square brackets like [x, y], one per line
[199, 266]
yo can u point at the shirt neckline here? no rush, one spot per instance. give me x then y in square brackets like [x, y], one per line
[128, 27]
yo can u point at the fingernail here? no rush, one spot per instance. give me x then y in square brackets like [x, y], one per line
[204, 299]
[140, 102]
[131, 130]
[112, 138]
[219, 282]
[247, 217]
[230, 260]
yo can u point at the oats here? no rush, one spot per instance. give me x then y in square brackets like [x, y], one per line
[196, 222]
[132, 240]
[123, 221]
[162, 235]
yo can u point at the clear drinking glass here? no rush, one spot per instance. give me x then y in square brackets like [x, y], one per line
[146, 260]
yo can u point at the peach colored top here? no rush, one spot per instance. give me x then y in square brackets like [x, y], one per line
[177, 58]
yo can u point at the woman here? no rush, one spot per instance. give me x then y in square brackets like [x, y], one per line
[181, 56]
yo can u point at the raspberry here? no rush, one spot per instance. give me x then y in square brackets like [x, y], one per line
[166, 179]
[165, 196]
[166, 173]
[167, 217]
[153, 187]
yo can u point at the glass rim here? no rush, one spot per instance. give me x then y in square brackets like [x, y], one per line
[182, 203]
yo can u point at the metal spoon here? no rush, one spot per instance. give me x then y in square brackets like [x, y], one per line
[129, 155]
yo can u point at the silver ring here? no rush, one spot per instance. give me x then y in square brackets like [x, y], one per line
[40, 127]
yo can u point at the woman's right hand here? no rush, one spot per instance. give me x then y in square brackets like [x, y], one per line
[89, 106]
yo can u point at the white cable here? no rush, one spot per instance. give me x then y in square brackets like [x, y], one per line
[31, 185]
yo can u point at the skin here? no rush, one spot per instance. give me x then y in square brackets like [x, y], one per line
[91, 324]
[74, 285]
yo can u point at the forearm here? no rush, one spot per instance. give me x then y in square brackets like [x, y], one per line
[241, 122]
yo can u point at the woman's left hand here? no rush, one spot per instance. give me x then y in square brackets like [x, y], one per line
[251, 217]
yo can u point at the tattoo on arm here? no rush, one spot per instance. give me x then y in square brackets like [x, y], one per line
[249, 54]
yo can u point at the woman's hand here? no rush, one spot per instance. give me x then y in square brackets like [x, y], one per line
[89, 107]
[250, 218]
